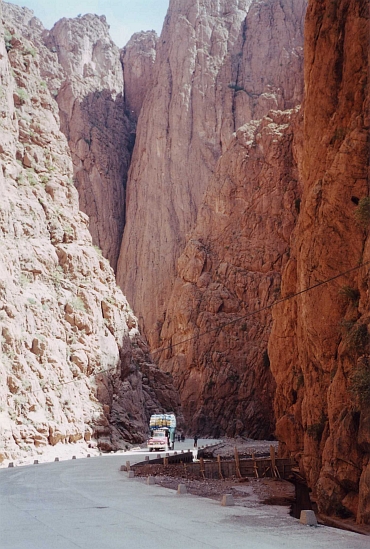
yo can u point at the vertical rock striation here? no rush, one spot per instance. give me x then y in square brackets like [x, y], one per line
[178, 142]
[319, 347]
[218, 320]
[138, 61]
[270, 74]
[200, 96]
[99, 132]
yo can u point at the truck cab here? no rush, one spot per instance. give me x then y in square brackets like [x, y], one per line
[162, 432]
[159, 440]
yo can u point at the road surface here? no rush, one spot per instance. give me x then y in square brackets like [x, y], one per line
[89, 503]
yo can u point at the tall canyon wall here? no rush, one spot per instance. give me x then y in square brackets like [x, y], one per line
[229, 267]
[63, 319]
[198, 100]
[138, 62]
[310, 168]
[319, 346]
[218, 320]
[179, 139]
[100, 133]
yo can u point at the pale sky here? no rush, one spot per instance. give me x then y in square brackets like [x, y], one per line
[124, 16]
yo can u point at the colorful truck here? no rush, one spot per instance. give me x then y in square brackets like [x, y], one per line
[162, 432]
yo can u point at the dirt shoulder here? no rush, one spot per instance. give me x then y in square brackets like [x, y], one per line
[248, 492]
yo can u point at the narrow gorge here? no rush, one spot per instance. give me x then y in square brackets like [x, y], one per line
[164, 209]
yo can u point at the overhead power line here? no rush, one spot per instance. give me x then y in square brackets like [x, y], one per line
[221, 326]
[262, 309]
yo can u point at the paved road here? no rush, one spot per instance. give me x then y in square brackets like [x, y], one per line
[91, 504]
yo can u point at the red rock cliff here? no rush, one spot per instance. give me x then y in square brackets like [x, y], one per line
[214, 335]
[199, 98]
[177, 146]
[320, 340]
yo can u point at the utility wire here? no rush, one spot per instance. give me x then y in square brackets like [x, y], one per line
[262, 309]
[221, 326]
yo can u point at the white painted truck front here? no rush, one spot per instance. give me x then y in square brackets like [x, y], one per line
[162, 432]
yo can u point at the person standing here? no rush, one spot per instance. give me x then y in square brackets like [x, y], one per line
[195, 441]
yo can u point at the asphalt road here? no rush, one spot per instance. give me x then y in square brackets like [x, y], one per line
[90, 504]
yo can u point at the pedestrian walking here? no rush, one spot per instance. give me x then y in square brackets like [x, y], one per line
[195, 441]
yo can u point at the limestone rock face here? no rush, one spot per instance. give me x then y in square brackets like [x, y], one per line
[270, 74]
[23, 23]
[81, 67]
[319, 346]
[177, 146]
[62, 317]
[100, 134]
[201, 94]
[138, 61]
[218, 320]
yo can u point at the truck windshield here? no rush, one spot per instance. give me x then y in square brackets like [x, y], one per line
[159, 434]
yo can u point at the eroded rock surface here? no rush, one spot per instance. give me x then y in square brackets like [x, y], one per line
[177, 146]
[319, 347]
[270, 74]
[63, 319]
[99, 132]
[218, 321]
[23, 23]
[138, 61]
[82, 68]
[187, 121]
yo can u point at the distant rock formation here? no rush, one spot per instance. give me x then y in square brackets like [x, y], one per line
[218, 321]
[100, 134]
[177, 146]
[200, 96]
[270, 68]
[82, 69]
[138, 61]
[63, 319]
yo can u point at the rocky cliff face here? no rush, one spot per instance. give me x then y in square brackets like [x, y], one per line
[177, 146]
[187, 121]
[253, 211]
[81, 67]
[270, 71]
[225, 382]
[24, 23]
[63, 320]
[138, 61]
[100, 134]
[218, 320]
[320, 340]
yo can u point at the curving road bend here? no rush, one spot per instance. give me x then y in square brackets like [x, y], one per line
[91, 504]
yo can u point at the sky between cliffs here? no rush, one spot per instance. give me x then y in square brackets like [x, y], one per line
[125, 17]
